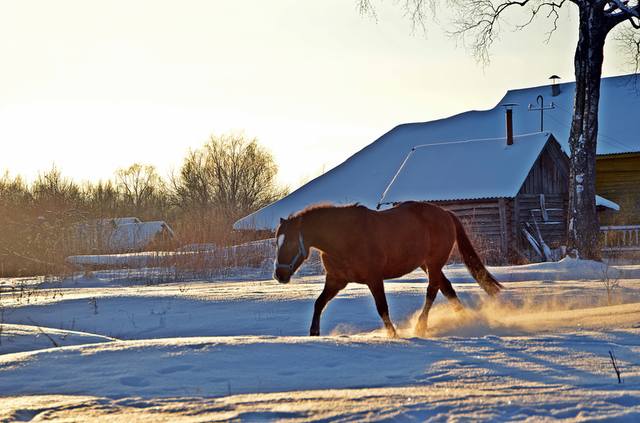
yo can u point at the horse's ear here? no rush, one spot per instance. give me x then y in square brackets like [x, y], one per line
[281, 221]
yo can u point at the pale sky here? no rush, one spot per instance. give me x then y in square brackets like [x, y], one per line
[96, 85]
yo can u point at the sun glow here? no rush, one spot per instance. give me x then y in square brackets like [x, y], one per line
[94, 86]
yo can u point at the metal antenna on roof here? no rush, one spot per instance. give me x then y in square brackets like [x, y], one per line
[541, 107]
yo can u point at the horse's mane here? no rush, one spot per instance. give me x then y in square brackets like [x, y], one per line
[325, 206]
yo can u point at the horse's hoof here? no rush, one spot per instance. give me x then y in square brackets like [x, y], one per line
[458, 307]
[314, 332]
[420, 330]
[391, 332]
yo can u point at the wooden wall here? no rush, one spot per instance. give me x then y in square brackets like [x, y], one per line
[546, 187]
[528, 209]
[549, 174]
[496, 224]
[618, 179]
[488, 226]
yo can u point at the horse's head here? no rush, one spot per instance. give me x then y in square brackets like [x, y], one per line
[291, 250]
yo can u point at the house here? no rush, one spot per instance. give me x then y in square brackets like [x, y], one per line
[119, 235]
[618, 179]
[364, 176]
[129, 237]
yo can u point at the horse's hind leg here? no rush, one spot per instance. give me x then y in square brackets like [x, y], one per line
[437, 280]
[432, 291]
[448, 291]
[435, 274]
[377, 290]
[331, 288]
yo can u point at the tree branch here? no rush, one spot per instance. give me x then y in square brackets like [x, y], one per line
[629, 43]
[619, 11]
[479, 20]
[418, 11]
[366, 8]
[553, 11]
[620, 7]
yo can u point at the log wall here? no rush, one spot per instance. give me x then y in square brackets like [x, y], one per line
[496, 224]
[488, 226]
[618, 179]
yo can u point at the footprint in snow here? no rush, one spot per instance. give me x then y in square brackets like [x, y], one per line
[330, 365]
[134, 381]
[174, 369]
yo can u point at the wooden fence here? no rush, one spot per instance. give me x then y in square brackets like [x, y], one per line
[621, 238]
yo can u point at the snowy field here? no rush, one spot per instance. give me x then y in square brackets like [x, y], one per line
[111, 347]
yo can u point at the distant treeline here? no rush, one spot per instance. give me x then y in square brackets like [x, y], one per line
[227, 178]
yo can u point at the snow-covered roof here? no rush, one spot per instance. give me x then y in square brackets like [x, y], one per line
[603, 202]
[465, 170]
[107, 222]
[124, 220]
[364, 176]
[134, 236]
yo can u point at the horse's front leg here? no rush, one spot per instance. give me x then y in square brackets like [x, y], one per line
[331, 288]
[377, 289]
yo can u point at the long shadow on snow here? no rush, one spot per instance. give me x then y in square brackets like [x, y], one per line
[142, 317]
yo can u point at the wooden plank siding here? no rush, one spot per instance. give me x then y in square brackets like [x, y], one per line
[554, 229]
[549, 176]
[495, 224]
[618, 180]
[486, 226]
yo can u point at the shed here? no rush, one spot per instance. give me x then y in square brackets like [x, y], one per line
[512, 198]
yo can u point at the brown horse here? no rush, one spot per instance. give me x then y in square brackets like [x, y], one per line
[365, 246]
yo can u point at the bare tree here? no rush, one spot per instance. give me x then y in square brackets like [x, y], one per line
[101, 198]
[230, 174]
[478, 22]
[192, 187]
[139, 184]
[243, 174]
[53, 192]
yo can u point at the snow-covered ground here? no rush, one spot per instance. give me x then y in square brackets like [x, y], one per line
[110, 347]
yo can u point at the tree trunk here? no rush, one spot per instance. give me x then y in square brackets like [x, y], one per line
[583, 220]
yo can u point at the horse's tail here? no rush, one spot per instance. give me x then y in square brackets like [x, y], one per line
[473, 261]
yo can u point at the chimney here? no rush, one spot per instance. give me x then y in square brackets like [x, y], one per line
[555, 88]
[509, 120]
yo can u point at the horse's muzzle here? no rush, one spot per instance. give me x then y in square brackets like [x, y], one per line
[281, 278]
